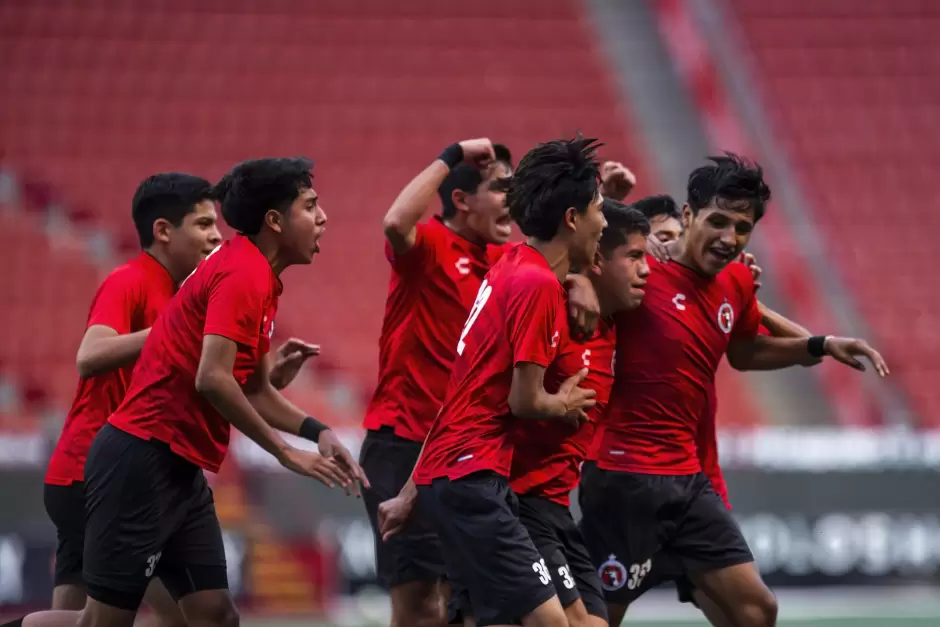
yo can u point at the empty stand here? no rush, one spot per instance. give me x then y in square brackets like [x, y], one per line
[853, 88]
[107, 92]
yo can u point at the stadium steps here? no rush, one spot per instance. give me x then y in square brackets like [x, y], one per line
[278, 581]
[852, 89]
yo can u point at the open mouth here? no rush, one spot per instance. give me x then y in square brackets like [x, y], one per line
[721, 255]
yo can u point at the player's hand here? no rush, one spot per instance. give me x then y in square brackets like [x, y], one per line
[657, 249]
[749, 260]
[847, 350]
[616, 180]
[584, 309]
[288, 361]
[325, 470]
[393, 515]
[576, 399]
[477, 152]
[331, 448]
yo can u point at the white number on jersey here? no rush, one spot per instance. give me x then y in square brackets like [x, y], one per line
[586, 357]
[566, 577]
[542, 570]
[483, 295]
[214, 250]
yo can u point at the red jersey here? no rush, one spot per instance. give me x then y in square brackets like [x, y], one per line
[668, 351]
[517, 317]
[127, 301]
[548, 454]
[233, 293]
[431, 290]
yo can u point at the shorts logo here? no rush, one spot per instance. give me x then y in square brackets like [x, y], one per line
[725, 317]
[613, 574]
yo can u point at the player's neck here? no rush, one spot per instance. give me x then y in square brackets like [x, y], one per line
[163, 258]
[460, 228]
[556, 254]
[271, 252]
[680, 252]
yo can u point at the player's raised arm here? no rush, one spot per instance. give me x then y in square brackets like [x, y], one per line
[413, 201]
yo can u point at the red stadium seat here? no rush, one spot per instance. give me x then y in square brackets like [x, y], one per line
[852, 88]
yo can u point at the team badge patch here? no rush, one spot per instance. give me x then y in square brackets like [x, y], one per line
[725, 317]
[613, 574]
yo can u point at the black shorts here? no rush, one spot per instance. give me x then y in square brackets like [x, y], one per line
[148, 512]
[558, 540]
[65, 505]
[487, 550]
[642, 530]
[414, 554]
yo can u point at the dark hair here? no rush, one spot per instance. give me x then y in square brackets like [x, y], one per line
[655, 206]
[622, 222]
[171, 196]
[551, 178]
[467, 178]
[255, 187]
[734, 183]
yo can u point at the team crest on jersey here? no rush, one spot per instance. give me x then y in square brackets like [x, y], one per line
[613, 574]
[725, 317]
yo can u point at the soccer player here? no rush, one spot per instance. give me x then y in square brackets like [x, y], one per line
[203, 368]
[508, 340]
[175, 219]
[650, 500]
[666, 226]
[548, 456]
[437, 269]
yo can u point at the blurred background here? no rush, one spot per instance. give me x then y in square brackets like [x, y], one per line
[833, 474]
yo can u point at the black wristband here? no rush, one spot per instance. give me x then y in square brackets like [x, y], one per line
[452, 156]
[816, 346]
[311, 428]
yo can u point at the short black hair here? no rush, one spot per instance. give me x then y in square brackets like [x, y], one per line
[255, 187]
[622, 222]
[551, 178]
[655, 206]
[733, 182]
[168, 195]
[467, 178]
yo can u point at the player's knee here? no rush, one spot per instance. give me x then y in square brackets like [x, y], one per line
[210, 610]
[760, 611]
[421, 606]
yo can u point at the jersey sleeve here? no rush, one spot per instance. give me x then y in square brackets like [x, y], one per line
[748, 323]
[533, 308]
[413, 261]
[115, 302]
[236, 307]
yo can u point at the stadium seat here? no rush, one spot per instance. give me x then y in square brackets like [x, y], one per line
[852, 89]
[108, 92]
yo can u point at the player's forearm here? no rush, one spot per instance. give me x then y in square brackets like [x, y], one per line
[224, 393]
[109, 353]
[412, 203]
[770, 353]
[779, 325]
[277, 411]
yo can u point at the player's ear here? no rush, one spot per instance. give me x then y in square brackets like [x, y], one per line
[161, 230]
[571, 218]
[459, 198]
[687, 217]
[275, 220]
[597, 268]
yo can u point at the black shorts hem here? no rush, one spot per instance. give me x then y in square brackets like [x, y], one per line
[108, 595]
[68, 579]
[545, 594]
[705, 567]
